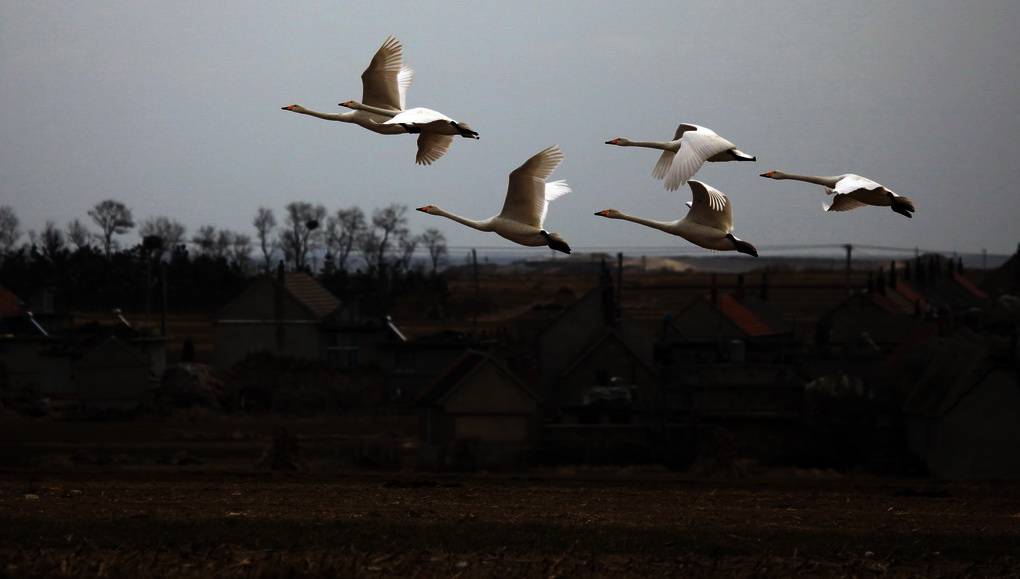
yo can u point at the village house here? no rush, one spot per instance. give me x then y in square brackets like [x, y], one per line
[477, 413]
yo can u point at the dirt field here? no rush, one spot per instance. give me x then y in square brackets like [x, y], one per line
[566, 523]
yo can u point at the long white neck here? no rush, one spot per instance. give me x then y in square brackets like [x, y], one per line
[667, 226]
[646, 144]
[369, 108]
[484, 225]
[345, 117]
[823, 181]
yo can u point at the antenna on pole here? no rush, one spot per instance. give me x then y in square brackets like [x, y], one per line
[849, 257]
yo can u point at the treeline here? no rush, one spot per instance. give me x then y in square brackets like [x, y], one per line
[353, 254]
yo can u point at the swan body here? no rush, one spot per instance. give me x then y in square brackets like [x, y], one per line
[708, 223]
[524, 209]
[852, 191]
[681, 158]
[436, 130]
[384, 86]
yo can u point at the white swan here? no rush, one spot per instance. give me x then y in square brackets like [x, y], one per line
[384, 86]
[681, 158]
[852, 191]
[436, 129]
[709, 221]
[527, 200]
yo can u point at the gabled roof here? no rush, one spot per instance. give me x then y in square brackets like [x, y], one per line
[311, 293]
[950, 368]
[463, 367]
[743, 317]
[10, 304]
[304, 298]
[606, 334]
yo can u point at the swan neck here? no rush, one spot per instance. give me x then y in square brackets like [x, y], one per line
[647, 144]
[824, 181]
[479, 225]
[376, 110]
[326, 116]
[660, 225]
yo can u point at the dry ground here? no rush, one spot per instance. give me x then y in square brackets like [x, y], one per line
[569, 522]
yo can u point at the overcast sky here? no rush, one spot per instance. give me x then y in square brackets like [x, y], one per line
[174, 108]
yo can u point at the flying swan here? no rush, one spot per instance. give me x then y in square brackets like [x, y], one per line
[436, 130]
[384, 86]
[527, 200]
[852, 191]
[709, 221]
[681, 158]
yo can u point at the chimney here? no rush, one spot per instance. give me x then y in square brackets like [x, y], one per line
[763, 290]
[714, 292]
[740, 288]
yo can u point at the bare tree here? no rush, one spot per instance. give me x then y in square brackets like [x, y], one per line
[342, 231]
[303, 229]
[50, 241]
[240, 250]
[406, 244]
[211, 242]
[78, 234]
[391, 224]
[113, 218]
[9, 232]
[170, 231]
[265, 223]
[435, 243]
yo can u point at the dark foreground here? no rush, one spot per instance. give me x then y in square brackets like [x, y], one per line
[563, 523]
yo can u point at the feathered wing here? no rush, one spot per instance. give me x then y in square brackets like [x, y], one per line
[697, 144]
[381, 85]
[404, 79]
[843, 202]
[528, 195]
[419, 116]
[710, 207]
[432, 146]
[849, 183]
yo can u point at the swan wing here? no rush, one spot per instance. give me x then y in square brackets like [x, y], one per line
[710, 207]
[404, 79]
[419, 117]
[432, 146]
[380, 84]
[697, 144]
[849, 183]
[844, 202]
[528, 195]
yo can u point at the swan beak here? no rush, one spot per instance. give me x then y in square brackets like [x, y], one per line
[290, 108]
[345, 104]
[613, 142]
[424, 209]
[602, 213]
[769, 174]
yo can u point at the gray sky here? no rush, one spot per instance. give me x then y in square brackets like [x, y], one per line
[174, 109]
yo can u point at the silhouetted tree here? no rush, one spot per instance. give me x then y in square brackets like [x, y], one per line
[303, 220]
[170, 231]
[113, 218]
[9, 232]
[78, 234]
[435, 243]
[265, 223]
[342, 231]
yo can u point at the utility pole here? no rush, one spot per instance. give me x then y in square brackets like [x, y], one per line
[849, 252]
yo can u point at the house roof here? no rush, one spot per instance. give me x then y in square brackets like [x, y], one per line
[459, 370]
[606, 334]
[743, 317]
[10, 304]
[311, 293]
[950, 367]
